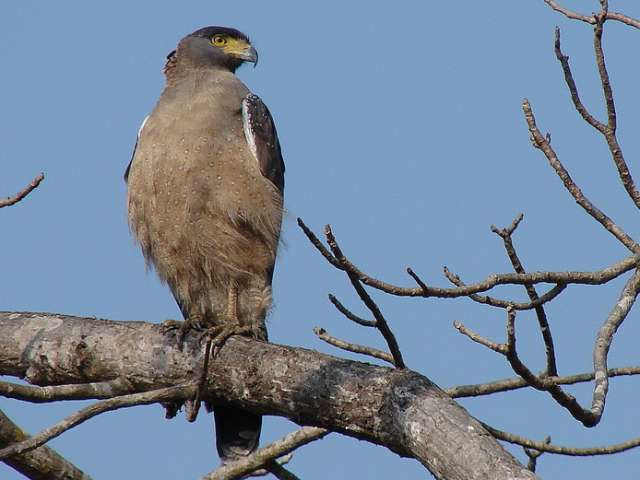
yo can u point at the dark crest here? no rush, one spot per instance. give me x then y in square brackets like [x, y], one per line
[208, 32]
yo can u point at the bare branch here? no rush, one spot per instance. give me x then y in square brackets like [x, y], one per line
[564, 399]
[353, 347]
[496, 347]
[602, 68]
[619, 17]
[573, 89]
[568, 13]
[350, 315]
[589, 418]
[144, 398]
[315, 241]
[561, 450]
[500, 303]
[280, 472]
[82, 391]
[608, 130]
[517, 383]
[40, 464]
[265, 455]
[578, 278]
[7, 202]
[303, 385]
[535, 454]
[508, 231]
[381, 322]
[603, 343]
[540, 142]
[418, 280]
[545, 328]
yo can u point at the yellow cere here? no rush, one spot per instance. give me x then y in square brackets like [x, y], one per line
[230, 45]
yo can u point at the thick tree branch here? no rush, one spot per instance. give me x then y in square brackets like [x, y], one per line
[40, 464]
[398, 409]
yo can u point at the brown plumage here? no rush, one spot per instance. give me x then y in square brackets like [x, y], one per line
[205, 188]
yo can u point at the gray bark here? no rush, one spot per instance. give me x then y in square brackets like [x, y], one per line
[399, 409]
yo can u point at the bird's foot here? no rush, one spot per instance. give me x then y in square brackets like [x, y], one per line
[218, 335]
[214, 338]
[181, 329]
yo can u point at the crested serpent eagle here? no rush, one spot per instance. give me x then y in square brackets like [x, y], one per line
[205, 200]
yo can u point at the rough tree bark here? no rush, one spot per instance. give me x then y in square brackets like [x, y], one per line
[43, 463]
[399, 409]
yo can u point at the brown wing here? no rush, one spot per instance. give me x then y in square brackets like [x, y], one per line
[262, 138]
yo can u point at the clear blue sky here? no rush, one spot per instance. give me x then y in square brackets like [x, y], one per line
[401, 126]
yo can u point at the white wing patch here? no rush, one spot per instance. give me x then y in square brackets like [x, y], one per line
[142, 126]
[248, 131]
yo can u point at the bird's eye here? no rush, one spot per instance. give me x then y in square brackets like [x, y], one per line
[219, 41]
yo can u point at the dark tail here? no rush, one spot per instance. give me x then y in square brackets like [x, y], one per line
[237, 432]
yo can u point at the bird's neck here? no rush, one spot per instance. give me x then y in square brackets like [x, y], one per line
[180, 67]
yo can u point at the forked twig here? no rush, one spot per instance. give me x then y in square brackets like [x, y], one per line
[608, 130]
[598, 277]
[542, 143]
[541, 315]
[588, 417]
[534, 454]
[380, 322]
[591, 19]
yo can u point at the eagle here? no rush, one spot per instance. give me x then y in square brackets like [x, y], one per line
[205, 200]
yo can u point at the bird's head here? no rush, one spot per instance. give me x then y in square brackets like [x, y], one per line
[219, 47]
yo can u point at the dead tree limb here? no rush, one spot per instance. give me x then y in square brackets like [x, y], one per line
[40, 464]
[397, 408]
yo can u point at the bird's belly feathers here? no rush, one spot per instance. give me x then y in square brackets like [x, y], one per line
[198, 203]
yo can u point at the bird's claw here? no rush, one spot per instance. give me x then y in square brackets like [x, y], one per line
[218, 335]
[181, 329]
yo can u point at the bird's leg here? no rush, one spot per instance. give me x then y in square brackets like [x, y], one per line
[231, 325]
[215, 338]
